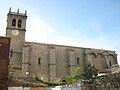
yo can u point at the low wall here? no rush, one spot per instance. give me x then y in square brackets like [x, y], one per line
[26, 88]
[18, 88]
[38, 88]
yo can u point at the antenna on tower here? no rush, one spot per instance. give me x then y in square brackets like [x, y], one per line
[10, 10]
[25, 12]
[17, 11]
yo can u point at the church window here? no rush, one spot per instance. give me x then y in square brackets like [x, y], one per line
[110, 63]
[14, 22]
[78, 60]
[39, 61]
[19, 23]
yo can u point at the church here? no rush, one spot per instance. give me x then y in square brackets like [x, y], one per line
[49, 61]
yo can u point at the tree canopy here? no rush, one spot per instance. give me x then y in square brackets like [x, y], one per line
[89, 71]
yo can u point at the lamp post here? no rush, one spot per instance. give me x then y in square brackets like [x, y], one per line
[93, 83]
[27, 76]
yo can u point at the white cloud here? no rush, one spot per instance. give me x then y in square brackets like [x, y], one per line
[63, 40]
[38, 30]
[2, 27]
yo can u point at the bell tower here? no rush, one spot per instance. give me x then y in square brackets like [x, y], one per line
[16, 28]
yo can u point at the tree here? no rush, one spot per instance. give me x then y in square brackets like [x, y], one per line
[89, 71]
[74, 78]
[11, 72]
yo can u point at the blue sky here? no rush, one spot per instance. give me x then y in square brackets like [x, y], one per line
[83, 23]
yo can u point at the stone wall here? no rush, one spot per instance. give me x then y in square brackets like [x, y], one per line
[54, 62]
[108, 82]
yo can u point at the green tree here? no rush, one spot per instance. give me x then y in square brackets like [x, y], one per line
[89, 71]
[74, 78]
[11, 72]
[70, 79]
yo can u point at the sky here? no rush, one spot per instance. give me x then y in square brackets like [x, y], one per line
[81, 23]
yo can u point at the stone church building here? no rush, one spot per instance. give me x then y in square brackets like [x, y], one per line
[49, 61]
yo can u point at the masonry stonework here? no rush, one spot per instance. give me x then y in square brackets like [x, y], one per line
[48, 61]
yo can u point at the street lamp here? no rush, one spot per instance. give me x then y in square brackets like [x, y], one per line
[27, 74]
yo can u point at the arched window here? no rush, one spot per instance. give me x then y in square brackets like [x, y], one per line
[78, 60]
[19, 23]
[111, 59]
[14, 22]
[39, 61]
[110, 63]
[101, 60]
